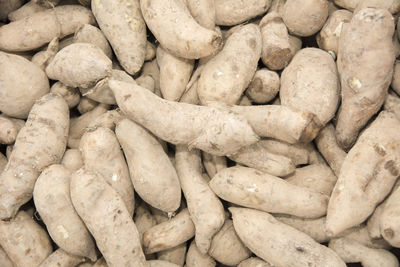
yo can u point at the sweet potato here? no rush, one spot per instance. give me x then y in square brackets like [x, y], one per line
[329, 148]
[70, 94]
[8, 6]
[40, 28]
[174, 74]
[364, 80]
[8, 131]
[177, 31]
[263, 87]
[40, 143]
[79, 124]
[203, 12]
[105, 215]
[43, 58]
[60, 258]
[194, 258]
[305, 18]
[26, 10]
[93, 35]
[328, 37]
[19, 92]
[227, 248]
[3, 162]
[86, 104]
[160, 263]
[175, 255]
[169, 234]
[123, 18]
[231, 12]
[393, 6]
[395, 85]
[367, 175]
[266, 236]
[157, 186]
[254, 189]
[298, 153]
[205, 208]
[276, 52]
[352, 251]
[147, 82]
[316, 177]
[226, 76]
[72, 159]
[280, 122]
[209, 129]
[254, 262]
[388, 219]
[56, 210]
[311, 83]
[24, 241]
[101, 153]
[258, 157]
[79, 65]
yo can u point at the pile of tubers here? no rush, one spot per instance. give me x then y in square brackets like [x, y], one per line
[278, 120]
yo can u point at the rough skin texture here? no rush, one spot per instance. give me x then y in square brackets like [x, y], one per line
[40, 143]
[213, 130]
[177, 31]
[280, 244]
[254, 189]
[40, 28]
[53, 202]
[123, 25]
[60, 258]
[232, 12]
[367, 176]
[157, 184]
[205, 208]
[194, 258]
[226, 76]
[105, 215]
[365, 64]
[22, 234]
[19, 92]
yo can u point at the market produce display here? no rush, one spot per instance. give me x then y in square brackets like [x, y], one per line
[199, 133]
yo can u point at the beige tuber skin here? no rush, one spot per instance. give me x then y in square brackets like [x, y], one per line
[227, 248]
[8, 131]
[213, 164]
[174, 74]
[367, 175]
[21, 234]
[79, 124]
[60, 258]
[251, 188]
[53, 202]
[280, 122]
[263, 87]
[316, 177]
[102, 153]
[276, 51]
[19, 92]
[232, 12]
[40, 28]
[212, 130]
[92, 35]
[3, 162]
[352, 251]
[143, 219]
[104, 213]
[365, 63]
[175, 255]
[258, 157]
[203, 12]
[86, 104]
[169, 234]
[328, 37]
[70, 94]
[305, 18]
[72, 159]
[79, 65]
[329, 148]
[157, 186]
[393, 6]
[254, 262]
[26, 10]
[226, 76]
[205, 208]
[298, 153]
[388, 218]
[5, 260]
[194, 258]
[40, 143]
[123, 19]
[280, 244]
[177, 31]
[310, 82]
[395, 85]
